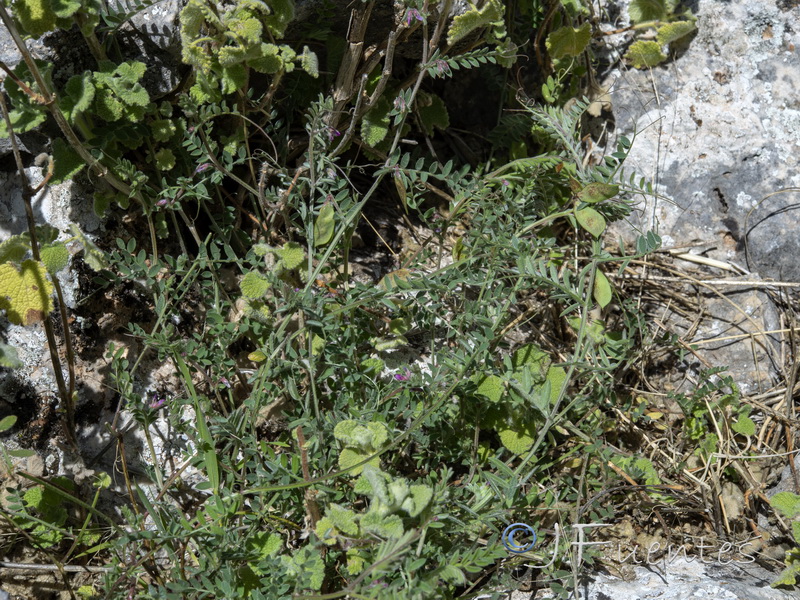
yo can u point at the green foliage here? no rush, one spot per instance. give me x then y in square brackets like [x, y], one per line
[569, 41]
[647, 10]
[388, 498]
[25, 292]
[650, 15]
[245, 158]
[360, 442]
[645, 54]
[118, 93]
[671, 32]
[432, 113]
[788, 504]
[324, 225]
[25, 113]
[223, 45]
[35, 16]
[491, 13]
[709, 401]
[67, 164]
[375, 125]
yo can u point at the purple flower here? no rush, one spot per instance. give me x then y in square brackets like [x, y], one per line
[404, 376]
[201, 168]
[412, 14]
[400, 104]
[162, 203]
[333, 133]
[156, 401]
[224, 381]
[443, 68]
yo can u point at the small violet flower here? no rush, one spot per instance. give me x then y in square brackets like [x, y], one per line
[411, 14]
[404, 376]
[201, 168]
[156, 401]
[400, 104]
[333, 133]
[442, 68]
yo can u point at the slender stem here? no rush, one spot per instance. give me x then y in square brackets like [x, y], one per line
[66, 395]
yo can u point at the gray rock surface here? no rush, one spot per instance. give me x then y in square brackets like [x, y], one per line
[718, 131]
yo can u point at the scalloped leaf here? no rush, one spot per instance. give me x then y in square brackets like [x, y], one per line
[475, 18]
[35, 16]
[67, 162]
[291, 255]
[309, 62]
[372, 366]
[791, 573]
[518, 438]
[263, 544]
[433, 114]
[670, 32]
[389, 526]
[569, 41]
[489, 386]
[337, 520]
[350, 456]
[165, 159]
[14, 248]
[647, 10]
[645, 54]
[254, 285]
[533, 356]
[744, 425]
[602, 289]
[375, 124]
[419, 498]
[25, 294]
[163, 129]
[787, 503]
[79, 94]
[55, 257]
